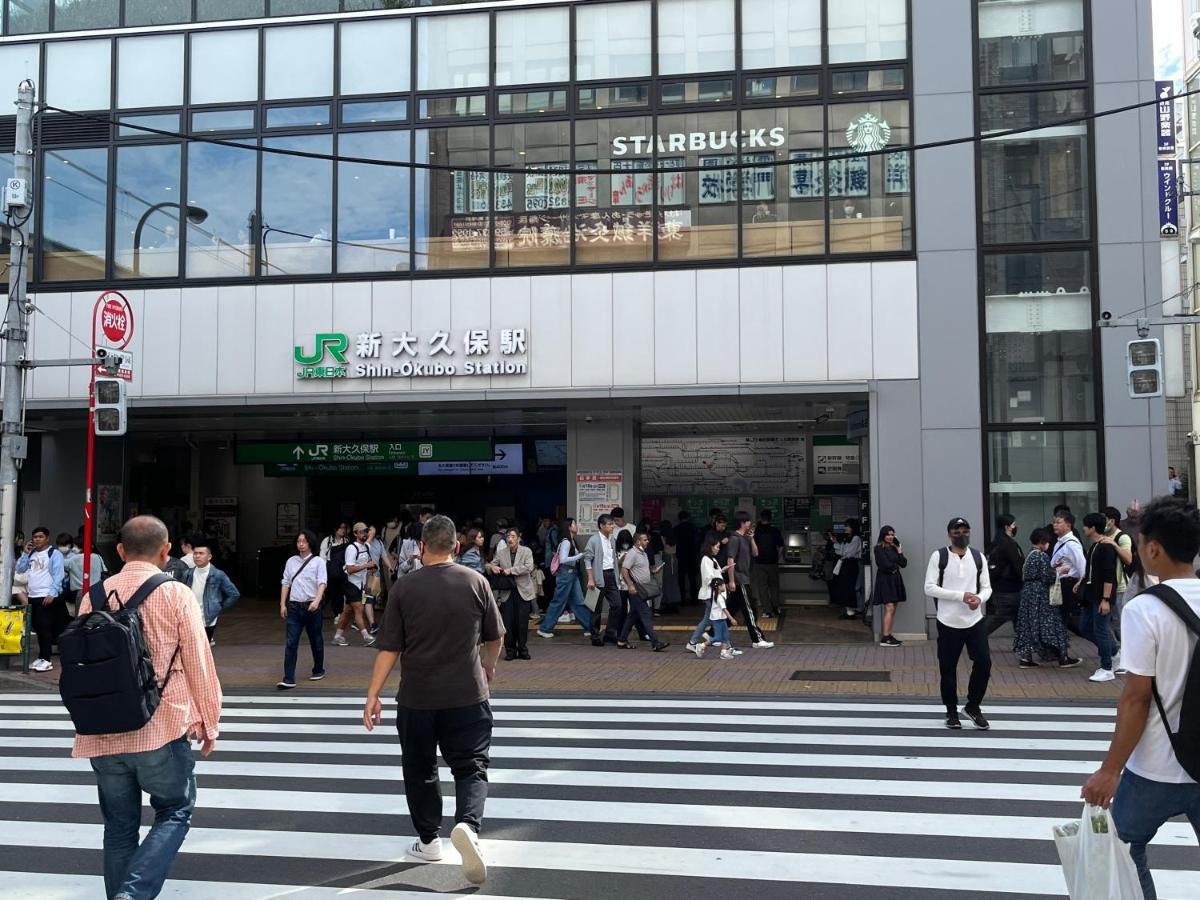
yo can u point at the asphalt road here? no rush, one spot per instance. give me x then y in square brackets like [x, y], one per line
[597, 798]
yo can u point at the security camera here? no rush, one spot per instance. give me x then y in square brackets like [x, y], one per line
[101, 353]
[1106, 316]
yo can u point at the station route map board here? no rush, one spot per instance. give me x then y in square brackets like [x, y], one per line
[725, 465]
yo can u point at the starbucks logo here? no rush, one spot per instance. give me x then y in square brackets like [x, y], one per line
[868, 133]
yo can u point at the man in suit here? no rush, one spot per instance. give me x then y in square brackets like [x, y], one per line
[600, 560]
[515, 559]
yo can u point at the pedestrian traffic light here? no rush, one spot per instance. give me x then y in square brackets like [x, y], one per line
[1144, 367]
[110, 407]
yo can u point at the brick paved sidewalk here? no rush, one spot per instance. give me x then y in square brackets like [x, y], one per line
[249, 656]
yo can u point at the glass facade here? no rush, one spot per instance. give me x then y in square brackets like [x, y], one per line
[584, 102]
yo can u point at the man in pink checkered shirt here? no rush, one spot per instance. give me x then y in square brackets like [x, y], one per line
[157, 758]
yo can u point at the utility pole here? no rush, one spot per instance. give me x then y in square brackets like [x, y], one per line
[18, 202]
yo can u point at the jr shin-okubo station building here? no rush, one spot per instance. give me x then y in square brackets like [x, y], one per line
[530, 256]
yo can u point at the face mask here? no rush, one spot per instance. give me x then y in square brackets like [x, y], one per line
[961, 541]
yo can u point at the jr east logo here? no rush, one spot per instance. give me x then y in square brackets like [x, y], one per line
[312, 365]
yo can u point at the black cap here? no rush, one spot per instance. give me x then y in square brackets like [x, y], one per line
[958, 522]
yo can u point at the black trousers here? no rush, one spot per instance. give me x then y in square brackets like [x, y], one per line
[1070, 606]
[464, 736]
[1002, 610]
[515, 612]
[689, 580]
[950, 644]
[47, 622]
[610, 595]
[640, 615]
[739, 604]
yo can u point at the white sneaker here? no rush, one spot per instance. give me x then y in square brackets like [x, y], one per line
[340, 640]
[1103, 675]
[736, 652]
[698, 649]
[431, 852]
[466, 842]
[41, 665]
[566, 619]
[368, 638]
[545, 634]
[762, 645]
[727, 654]
[1117, 668]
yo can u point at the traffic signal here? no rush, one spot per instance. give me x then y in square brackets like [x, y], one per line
[110, 407]
[1143, 360]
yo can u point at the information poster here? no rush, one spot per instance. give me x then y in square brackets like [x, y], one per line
[747, 466]
[696, 507]
[835, 461]
[725, 504]
[596, 493]
[287, 519]
[653, 508]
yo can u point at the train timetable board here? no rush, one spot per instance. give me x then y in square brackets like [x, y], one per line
[723, 465]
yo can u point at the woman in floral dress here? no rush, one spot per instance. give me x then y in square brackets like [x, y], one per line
[1039, 625]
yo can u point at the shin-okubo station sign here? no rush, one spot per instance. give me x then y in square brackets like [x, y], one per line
[412, 354]
[361, 452]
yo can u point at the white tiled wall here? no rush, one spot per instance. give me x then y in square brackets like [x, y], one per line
[755, 325]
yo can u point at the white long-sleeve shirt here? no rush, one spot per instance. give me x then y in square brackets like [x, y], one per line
[1069, 552]
[959, 580]
[565, 556]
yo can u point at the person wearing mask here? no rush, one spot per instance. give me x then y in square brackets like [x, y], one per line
[304, 581]
[687, 546]
[43, 563]
[639, 581]
[472, 556]
[1096, 592]
[600, 562]
[1069, 562]
[845, 581]
[567, 591]
[515, 560]
[358, 564]
[769, 541]
[741, 551]
[957, 581]
[1143, 777]
[889, 582]
[212, 588]
[1040, 628]
[408, 557]
[1122, 545]
[1006, 563]
[712, 581]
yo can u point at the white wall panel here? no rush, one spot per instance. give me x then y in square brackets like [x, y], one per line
[236, 340]
[392, 312]
[50, 339]
[761, 338]
[675, 327]
[591, 331]
[137, 346]
[312, 311]
[805, 324]
[158, 364]
[198, 343]
[80, 324]
[274, 316]
[550, 346]
[718, 347]
[849, 327]
[511, 305]
[470, 307]
[894, 320]
[633, 328]
[351, 314]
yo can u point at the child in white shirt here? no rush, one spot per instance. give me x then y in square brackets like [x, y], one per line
[719, 617]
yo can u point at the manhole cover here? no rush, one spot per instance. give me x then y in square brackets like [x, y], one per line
[841, 675]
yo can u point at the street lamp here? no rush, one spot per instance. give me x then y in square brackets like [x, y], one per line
[195, 214]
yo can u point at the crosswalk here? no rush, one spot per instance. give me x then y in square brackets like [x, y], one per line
[642, 798]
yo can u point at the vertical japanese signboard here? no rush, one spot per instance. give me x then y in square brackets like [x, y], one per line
[596, 493]
[1165, 91]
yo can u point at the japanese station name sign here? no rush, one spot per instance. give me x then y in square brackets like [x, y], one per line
[333, 453]
[410, 354]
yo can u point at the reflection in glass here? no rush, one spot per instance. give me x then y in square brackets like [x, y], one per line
[772, 87]
[298, 116]
[518, 103]
[214, 10]
[870, 197]
[146, 212]
[224, 67]
[532, 46]
[695, 36]
[458, 107]
[297, 208]
[18, 62]
[74, 212]
[533, 225]
[28, 16]
[626, 96]
[375, 57]
[867, 30]
[452, 51]
[866, 81]
[783, 205]
[698, 211]
[150, 71]
[302, 7]
[79, 74]
[223, 120]
[1039, 337]
[157, 12]
[713, 90]
[161, 121]
[612, 40]
[79, 15]
[1034, 471]
[779, 34]
[1040, 41]
[614, 214]
[221, 181]
[299, 62]
[367, 111]
[373, 204]
[453, 226]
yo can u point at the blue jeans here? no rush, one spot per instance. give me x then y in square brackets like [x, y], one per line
[1141, 807]
[300, 619]
[1097, 628]
[721, 632]
[567, 592]
[132, 872]
[698, 633]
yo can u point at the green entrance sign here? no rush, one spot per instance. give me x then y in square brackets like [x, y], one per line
[336, 452]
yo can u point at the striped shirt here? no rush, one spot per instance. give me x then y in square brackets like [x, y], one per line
[191, 701]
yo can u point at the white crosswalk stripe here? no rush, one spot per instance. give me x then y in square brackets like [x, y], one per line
[649, 799]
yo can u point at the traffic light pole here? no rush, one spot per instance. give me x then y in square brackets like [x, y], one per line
[1144, 324]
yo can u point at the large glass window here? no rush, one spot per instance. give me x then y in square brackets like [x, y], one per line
[28, 16]
[453, 222]
[1034, 471]
[222, 181]
[452, 51]
[224, 66]
[78, 15]
[612, 40]
[79, 74]
[533, 46]
[297, 208]
[299, 62]
[147, 211]
[1039, 337]
[870, 197]
[18, 62]
[783, 202]
[302, 7]
[698, 210]
[214, 10]
[867, 30]
[1036, 184]
[160, 54]
[373, 203]
[533, 208]
[695, 36]
[157, 12]
[779, 34]
[614, 213]
[1031, 41]
[375, 57]
[74, 214]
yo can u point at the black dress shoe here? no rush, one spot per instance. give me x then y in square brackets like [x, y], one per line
[608, 639]
[510, 655]
[596, 642]
[523, 654]
[660, 646]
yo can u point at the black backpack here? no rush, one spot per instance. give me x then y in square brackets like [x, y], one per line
[1186, 741]
[108, 683]
[335, 567]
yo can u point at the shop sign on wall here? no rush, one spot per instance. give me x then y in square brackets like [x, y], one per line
[596, 493]
[414, 354]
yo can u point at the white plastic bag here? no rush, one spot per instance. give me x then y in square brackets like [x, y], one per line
[1096, 863]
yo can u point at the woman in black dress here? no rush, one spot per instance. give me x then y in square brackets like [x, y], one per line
[889, 582]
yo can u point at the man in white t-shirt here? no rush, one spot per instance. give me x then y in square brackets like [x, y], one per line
[1157, 647]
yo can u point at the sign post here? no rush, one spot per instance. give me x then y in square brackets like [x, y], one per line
[113, 316]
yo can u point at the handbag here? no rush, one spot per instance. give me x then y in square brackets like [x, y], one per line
[649, 591]
[837, 567]
[374, 585]
[1056, 593]
[12, 630]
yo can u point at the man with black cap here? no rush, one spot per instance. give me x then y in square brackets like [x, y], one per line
[957, 580]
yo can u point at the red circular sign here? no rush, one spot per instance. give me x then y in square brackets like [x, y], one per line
[116, 320]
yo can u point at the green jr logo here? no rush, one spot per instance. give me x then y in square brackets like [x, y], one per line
[333, 344]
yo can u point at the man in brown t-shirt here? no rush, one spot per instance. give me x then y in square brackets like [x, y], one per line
[436, 619]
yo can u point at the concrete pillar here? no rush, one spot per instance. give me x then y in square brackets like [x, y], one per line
[597, 444]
